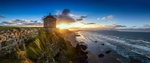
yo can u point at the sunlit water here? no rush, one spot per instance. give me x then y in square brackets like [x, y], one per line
[129, 45]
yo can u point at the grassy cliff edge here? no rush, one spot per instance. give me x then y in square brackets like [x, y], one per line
[48, 47]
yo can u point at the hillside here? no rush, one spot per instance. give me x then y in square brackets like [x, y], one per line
[47, 47]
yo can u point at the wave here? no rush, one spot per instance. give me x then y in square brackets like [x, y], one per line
[125, 47]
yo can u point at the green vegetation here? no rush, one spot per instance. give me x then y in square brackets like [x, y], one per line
[7, 27]
[48, 46]
[14, 27]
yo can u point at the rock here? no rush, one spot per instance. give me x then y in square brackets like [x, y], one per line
[107, 52]
[101, 55]
[83, 57]
[77, 35]
[135, 60]
[95, 41]
[81, 43]
[138, 61]
[80, 48]
[84, 47]
[102, 43]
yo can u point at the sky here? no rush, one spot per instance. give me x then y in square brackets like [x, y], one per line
[121, 13]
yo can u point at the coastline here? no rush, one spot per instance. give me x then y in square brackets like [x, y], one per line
[92, 56]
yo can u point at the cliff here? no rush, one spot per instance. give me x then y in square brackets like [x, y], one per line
[48, 46]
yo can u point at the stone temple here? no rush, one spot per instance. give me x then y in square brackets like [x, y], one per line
[49, 22]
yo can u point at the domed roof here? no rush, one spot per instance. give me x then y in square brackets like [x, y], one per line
[49, 16]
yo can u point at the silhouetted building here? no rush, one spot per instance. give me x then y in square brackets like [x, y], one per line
[49, 21]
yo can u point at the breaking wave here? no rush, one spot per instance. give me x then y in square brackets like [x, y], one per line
[129, 48]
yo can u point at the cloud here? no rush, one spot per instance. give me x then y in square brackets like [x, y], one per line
[19, 22]
[90, 23]
[1, 16]
[117, 25]
[24, 21]
[110, 17]
[62, 17]
[1, 24]
[98, 18]
[81, 18]
[134, 26]
[72, 15]
[103, 18]
[7, 22]
[65, 12]
[146, 26]
[58, 12]
[107, 18]
[33, 21]
[38, 23]
[135, 30]
[66, 17]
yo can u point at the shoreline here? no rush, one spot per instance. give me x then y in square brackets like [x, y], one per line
[92, 57]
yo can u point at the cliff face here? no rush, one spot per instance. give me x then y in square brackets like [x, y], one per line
[47, 47]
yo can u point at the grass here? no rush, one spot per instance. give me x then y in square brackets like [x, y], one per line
[14, 27]
[45, 46]
[72, 53]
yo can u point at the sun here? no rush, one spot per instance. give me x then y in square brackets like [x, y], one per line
[71, 25]
[63, 26]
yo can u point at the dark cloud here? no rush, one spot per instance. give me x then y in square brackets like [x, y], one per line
[65, 12]
[33, 21]
[21, 22]
[17, 20]
[64, 17]
[29, 23]
[116, 25]
[37, 24]
[6, 22]
[90, 23]
[81, 18]
[1, 16]
[24, 21]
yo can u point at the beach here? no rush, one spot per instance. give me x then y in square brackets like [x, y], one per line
[93, 50]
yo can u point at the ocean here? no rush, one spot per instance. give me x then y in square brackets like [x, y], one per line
[127, 47]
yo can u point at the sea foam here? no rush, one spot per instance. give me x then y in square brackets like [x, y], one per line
[125, 47]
